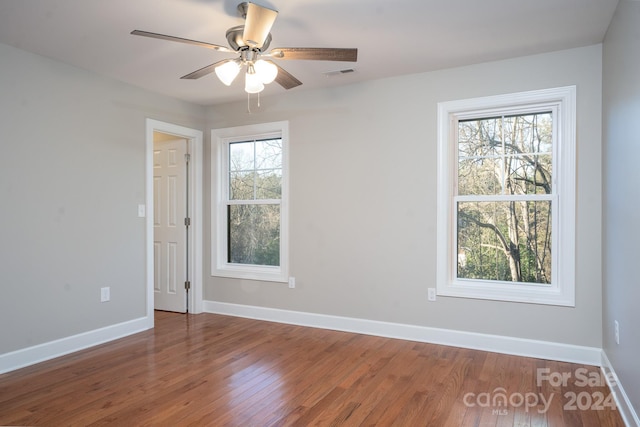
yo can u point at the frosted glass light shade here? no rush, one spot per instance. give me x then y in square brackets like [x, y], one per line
[266, 70]
[252, 83]
[227, 72]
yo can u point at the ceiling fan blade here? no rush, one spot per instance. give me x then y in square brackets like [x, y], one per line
[205, 70]
[181, 40]
[258, 24]
[285, 79]
[315, 53]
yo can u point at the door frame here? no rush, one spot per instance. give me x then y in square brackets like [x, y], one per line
[195, 143]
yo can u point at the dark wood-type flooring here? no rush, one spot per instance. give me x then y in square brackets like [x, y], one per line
[212, 370]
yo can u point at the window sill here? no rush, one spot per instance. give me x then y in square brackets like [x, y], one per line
[532, 294]
[260, 273]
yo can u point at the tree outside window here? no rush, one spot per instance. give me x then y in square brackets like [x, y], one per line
[253, 210]
[503, 210]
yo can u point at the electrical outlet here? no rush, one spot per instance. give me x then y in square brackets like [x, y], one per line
[292, 282]
[105, 294]
[431, 294]
[616, 331]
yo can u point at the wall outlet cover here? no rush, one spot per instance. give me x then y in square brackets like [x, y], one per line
[105, 294]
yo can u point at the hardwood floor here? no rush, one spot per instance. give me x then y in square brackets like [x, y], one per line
[217, 370]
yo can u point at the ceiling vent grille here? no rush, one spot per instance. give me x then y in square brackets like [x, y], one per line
[339, 72]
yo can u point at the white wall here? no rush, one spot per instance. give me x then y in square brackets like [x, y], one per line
[621, 190]
[363, 191]
[72, 170]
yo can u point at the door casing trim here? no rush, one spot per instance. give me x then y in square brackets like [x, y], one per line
[195, 141]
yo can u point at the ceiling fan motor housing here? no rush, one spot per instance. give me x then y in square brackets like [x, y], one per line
[237, 43]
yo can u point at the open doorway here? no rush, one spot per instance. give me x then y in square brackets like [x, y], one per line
[179, 143]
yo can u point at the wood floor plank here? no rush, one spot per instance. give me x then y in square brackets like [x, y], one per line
[334, 371]
[374, 385]
[403, 396]
[227, 371]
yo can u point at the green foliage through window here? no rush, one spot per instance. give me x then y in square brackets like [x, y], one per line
[253, 210]
[503, 202]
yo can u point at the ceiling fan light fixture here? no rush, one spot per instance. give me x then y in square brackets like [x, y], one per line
[228, 71]
[252, 81]
[251, 41]
[266, 70]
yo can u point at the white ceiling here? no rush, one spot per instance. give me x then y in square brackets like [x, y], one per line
[393, 37]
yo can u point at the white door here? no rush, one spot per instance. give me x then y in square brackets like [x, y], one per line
[169, 227]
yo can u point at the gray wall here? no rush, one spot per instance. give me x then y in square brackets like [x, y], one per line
[363, 208]
[363, 191]
[71, 175]
[621, 192]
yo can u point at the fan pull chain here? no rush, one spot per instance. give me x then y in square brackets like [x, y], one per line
[249, 102]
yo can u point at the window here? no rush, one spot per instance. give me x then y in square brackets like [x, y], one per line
[250, 190]
[506, 197]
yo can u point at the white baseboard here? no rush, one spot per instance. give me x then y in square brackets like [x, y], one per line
[493, 343]
[46, 351]
[623, 403]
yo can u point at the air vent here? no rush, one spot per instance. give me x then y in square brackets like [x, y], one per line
[339, 72]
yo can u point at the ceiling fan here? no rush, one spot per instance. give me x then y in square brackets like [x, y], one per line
[252, 41]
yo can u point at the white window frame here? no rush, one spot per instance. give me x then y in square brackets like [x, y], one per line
[561, 291]
[220, 139]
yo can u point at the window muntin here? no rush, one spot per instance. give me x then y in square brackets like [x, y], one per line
[506, 197]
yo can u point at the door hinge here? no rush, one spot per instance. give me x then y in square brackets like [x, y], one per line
[187, 222]
[187, 157]
[187, 285]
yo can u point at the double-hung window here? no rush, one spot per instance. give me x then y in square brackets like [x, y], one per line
[506, 197]
[250, 192]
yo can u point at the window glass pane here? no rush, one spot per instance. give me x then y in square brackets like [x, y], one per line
[480, 137]
[269, 154]
[241, 156]
[479, 175]
[531, 133]
[528, 174]
[269, 184]
[506, 241]
[241, 185]
[480, 157]
[254, 234]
